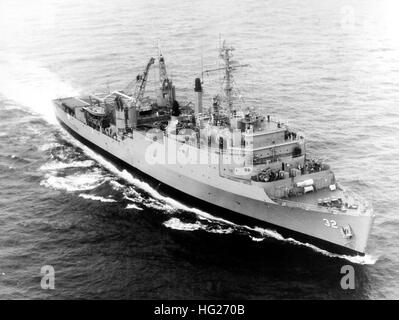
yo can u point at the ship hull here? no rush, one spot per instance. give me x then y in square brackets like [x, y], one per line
[242, 207]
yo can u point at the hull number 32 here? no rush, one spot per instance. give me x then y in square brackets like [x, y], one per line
[330, 223]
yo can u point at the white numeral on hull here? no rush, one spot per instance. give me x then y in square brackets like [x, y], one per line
[330, 223]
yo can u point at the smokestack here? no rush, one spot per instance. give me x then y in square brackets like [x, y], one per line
[173, 92]
[198, 90]
[133, 116]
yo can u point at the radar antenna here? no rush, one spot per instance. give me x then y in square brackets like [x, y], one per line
[225, 53]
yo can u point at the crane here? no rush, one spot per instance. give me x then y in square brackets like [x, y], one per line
[141, 81]
[165, 84]
[163, 75]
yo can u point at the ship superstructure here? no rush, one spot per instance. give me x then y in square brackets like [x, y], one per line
[224, 155]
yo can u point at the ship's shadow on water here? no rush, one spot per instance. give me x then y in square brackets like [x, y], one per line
[200, 264]
[267, 269]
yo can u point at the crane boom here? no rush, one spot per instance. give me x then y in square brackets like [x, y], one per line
[166, 85]
[163, 75]
[141, 83]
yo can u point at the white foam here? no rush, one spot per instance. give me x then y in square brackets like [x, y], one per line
[56, 165]
[134, 181]
[48, 146]
[130, 192]
[366, 259]
[177, 224]
[76, 182]
[133, 206]
[32, 85]
[219, 230]
[267, 233]
[130, 199]
[116, 185]
[157, 205]
[96, 198]
[257, 239]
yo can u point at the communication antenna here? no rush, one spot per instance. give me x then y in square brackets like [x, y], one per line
[225, 54]
[202, 64]
[220, 48]
[109, 90]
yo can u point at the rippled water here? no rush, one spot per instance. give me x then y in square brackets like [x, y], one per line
[330, 69]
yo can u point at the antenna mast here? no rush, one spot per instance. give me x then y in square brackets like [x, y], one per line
[225, 53]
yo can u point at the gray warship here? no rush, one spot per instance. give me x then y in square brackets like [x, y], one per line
[237, 162]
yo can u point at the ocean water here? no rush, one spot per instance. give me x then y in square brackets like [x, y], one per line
[329, 68]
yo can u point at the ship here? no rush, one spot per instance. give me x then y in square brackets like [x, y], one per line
[235, 161]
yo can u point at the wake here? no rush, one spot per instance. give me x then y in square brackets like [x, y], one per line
[32, 85]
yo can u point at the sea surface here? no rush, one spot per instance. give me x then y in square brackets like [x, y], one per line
[330, 68]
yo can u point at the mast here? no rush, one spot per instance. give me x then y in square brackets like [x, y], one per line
[225, 53]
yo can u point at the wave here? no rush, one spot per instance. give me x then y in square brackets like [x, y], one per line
[116, 185]
[38, 85]
[130, 192]
[76, 182]
[220, 230]
[56, 165]
[257, 239]
[133, 206]
[177, 224]
[96, 198]
[364, 260]
[49, 146]
[10, 107]
[157, 205]
[268, 233]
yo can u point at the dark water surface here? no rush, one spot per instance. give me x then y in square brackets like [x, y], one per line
[331, 70]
